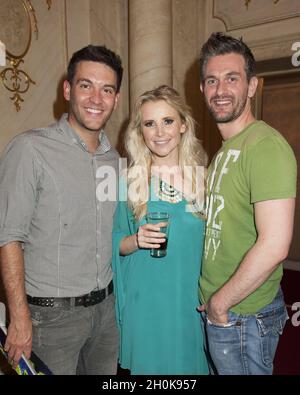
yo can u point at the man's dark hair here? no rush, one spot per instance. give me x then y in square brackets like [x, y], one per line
[96, 53]
[221, 44]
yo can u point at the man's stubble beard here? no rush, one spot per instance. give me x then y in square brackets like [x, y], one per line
[232, 116]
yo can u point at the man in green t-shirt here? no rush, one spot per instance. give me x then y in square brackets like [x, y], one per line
[251, 189]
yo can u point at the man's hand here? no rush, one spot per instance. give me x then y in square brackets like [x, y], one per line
[19, 340]
[217, 315]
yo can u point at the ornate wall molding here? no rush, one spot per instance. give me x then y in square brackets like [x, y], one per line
[247, 2]
[17, 23]
[253, 12]
[273, 47]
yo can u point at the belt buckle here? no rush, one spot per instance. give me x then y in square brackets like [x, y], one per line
[87, 300]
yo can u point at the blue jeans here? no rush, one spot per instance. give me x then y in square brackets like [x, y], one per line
[77, 340]
[247, 345]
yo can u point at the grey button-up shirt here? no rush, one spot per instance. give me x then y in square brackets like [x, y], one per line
[58, 200]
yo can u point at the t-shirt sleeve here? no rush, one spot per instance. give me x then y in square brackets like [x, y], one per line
[18, 182]
[272, 170]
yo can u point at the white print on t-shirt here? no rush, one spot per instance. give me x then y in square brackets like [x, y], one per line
[216, 202]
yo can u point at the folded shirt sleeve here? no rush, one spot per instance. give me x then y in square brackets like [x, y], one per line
[18, 186]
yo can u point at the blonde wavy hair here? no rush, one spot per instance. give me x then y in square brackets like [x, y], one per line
[191, 152]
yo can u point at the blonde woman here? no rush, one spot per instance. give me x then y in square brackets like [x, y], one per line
[157, 297]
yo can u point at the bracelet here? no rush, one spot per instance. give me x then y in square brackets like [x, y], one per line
[137, 240]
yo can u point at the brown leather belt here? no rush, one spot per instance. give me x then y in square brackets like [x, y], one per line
[89, 299]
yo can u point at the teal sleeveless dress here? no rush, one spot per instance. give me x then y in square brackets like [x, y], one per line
[156, 298]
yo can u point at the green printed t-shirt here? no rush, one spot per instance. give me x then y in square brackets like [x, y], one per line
[255, 165]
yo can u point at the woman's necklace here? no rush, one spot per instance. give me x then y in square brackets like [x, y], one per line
[168, 192]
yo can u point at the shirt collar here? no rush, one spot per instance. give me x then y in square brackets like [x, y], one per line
[104, 143]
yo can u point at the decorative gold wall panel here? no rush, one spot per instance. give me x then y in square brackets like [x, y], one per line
[16, 17]
[17, 21]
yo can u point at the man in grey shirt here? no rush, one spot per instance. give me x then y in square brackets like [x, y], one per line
[55, 227]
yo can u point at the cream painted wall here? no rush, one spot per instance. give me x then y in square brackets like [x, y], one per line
[188, 34]
[108, 21]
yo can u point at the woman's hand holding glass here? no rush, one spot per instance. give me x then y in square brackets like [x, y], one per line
[149, 235]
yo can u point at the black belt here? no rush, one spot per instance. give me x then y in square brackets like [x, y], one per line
[89, 299]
